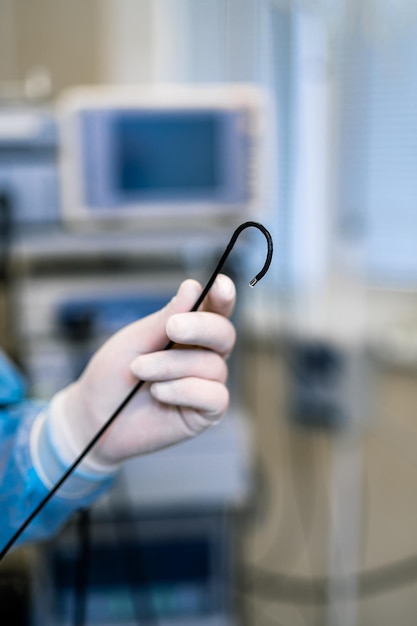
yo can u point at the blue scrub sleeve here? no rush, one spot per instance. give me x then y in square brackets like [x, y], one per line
[21, 488]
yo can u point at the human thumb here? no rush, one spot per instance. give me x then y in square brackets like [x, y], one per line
[152, 328]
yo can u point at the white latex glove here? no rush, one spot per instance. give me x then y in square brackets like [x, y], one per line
[185, 390]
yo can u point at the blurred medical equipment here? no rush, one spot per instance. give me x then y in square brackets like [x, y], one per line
[169, 554]
[316, 384]
[72, 288]
[28, 164]
[157, 494]
[182, 154]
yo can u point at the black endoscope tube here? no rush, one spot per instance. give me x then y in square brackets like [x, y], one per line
[140, 383]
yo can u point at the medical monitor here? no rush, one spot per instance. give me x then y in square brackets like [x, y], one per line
[160, 155]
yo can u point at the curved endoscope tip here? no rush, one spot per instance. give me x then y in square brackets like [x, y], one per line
[226, 253]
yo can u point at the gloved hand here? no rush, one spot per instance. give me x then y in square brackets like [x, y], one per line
[185, 389]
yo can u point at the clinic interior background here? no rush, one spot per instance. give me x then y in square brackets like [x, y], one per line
[307, 504]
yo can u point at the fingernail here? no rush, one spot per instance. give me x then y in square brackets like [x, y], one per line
[177, 327]
[225, 286]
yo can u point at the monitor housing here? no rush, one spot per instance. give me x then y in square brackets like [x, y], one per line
[161, 156]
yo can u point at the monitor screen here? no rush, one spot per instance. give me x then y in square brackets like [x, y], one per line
[167, 154]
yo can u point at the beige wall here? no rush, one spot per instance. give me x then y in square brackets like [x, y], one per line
[59, 35]
[90, 42]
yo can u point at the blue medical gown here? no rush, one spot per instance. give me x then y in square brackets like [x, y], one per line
[21, 489]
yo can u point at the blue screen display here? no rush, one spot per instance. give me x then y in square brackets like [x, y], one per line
[173, 153]
[134, 157]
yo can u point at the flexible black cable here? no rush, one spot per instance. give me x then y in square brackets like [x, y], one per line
[82, 568]
[140, 383]
[5, 236]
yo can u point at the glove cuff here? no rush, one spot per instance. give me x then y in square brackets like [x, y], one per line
[53, 450]
[60, 427]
